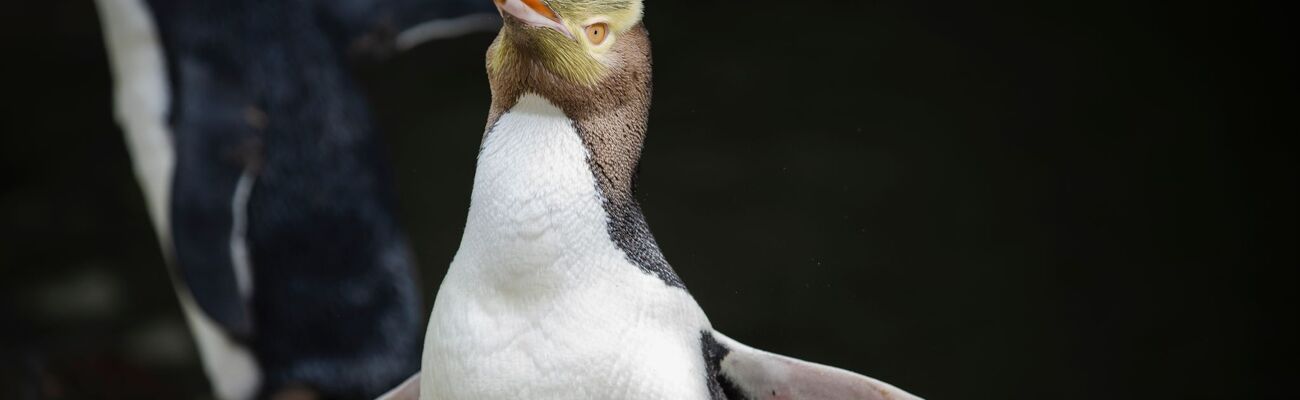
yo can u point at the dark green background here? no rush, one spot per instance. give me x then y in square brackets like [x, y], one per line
[971, 200]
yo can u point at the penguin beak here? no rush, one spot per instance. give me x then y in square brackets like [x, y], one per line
[533, 13]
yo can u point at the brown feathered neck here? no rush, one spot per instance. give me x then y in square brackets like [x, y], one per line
[610, 116]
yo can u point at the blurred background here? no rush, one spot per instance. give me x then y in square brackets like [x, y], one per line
[969, 200]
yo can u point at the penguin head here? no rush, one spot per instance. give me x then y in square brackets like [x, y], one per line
[578, 41]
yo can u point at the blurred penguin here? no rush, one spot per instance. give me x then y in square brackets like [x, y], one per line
[267, 186]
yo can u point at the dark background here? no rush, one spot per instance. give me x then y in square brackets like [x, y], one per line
[970, 200]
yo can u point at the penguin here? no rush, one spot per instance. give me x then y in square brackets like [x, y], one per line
[558, 289]
[266, 184]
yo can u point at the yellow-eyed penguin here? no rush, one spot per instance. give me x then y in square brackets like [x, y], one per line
[558, 290]
[267, 185]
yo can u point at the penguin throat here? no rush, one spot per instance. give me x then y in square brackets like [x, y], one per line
[539, 219]
[536, 215]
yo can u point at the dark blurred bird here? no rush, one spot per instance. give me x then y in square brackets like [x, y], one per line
[559, 290]
[267, 186]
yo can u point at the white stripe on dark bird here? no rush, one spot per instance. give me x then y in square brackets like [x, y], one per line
[267, 187]
[559, 290]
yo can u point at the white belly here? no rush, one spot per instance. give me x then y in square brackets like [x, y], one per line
[539, 302]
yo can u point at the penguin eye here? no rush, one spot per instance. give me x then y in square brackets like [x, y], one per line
[596, 33]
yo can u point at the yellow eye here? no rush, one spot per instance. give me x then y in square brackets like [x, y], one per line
[596, 33]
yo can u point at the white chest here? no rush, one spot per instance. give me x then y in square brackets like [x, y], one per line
[539, 302]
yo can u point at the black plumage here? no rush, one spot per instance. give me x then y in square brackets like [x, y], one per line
[261, 94]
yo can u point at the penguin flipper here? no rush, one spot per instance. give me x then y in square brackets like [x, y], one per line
[745, 373]
[206, 261]
[409, 390]
[215, 150]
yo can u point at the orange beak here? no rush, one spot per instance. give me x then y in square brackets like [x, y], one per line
[533, 13]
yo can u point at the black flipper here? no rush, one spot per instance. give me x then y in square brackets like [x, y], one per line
[213, 146]
[409, 390]
[740, 372]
